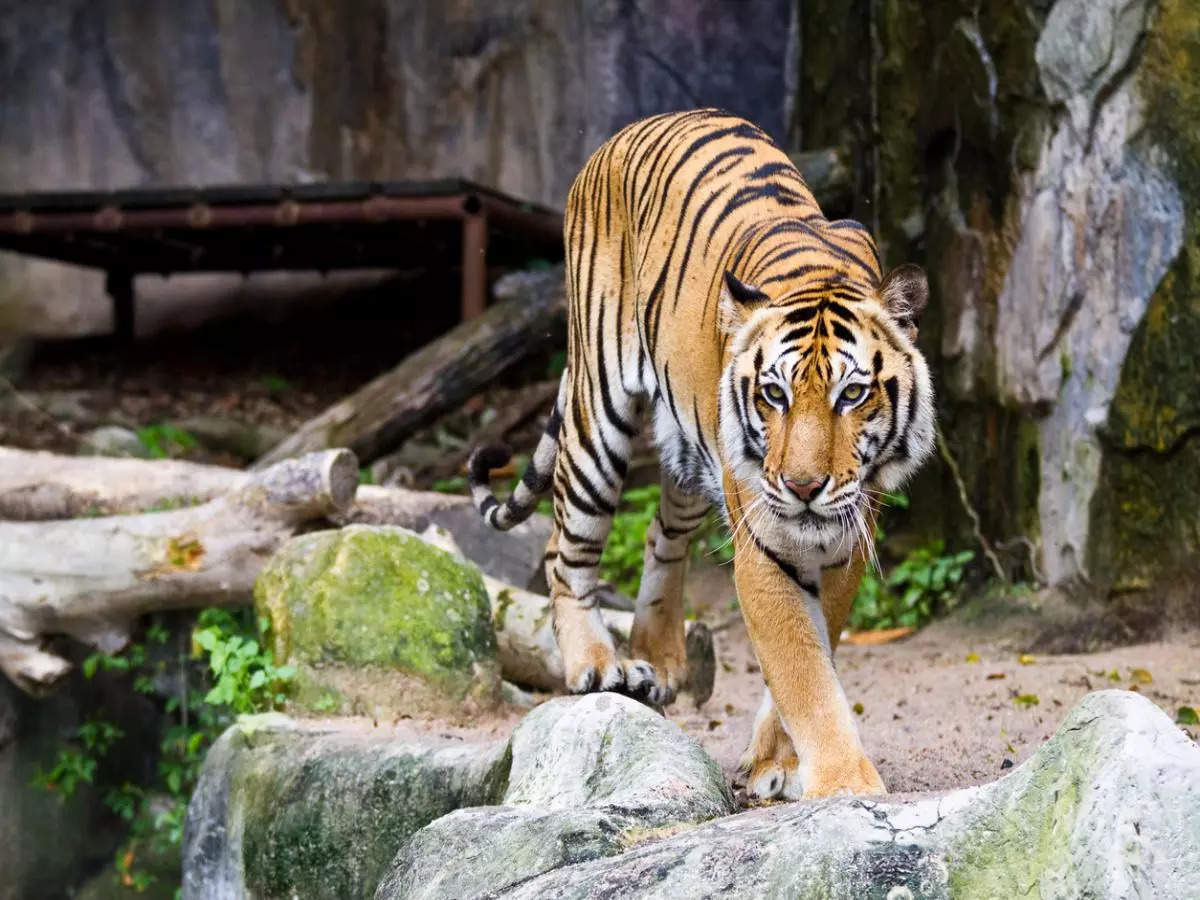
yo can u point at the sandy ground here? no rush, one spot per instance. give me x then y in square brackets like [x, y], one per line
[932, 720]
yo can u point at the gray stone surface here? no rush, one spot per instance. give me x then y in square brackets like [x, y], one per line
[1108, 808]
[289, 808]
[590, 776]
[113, 440]
[1102, 220]
[49, 843]
[321, 808]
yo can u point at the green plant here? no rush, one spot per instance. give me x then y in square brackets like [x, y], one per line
[622, 560]
[235, 675]
[556, 364]
[244, 673]
[456, 484]
[162, 441]
[276, 384]
[78, 760]
[913, 592]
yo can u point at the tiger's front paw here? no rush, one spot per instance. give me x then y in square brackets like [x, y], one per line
[774, 779]
[852, 774]
[782, 779]
[602, 670]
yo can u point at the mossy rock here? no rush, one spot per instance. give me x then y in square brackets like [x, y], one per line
[377, 622]
[298, 808]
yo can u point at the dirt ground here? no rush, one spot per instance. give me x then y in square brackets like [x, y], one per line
[932, 720]
[939, 708]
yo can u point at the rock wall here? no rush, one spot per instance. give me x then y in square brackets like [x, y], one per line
[121, 93]
[1035, 157]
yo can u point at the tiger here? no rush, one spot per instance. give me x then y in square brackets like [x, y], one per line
[784, 387]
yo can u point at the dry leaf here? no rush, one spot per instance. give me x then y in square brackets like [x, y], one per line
[880, 636]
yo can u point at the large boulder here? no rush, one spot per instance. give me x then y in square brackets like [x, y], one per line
[590, 777]
[1109, 807]
[319, 809]
[378, 622]
[289, 808]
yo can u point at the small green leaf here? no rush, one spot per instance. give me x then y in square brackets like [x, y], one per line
[1186, 715]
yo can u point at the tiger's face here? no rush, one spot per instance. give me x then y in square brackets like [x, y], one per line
[825, 402]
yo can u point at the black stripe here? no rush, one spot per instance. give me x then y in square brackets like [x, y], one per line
[841, 331]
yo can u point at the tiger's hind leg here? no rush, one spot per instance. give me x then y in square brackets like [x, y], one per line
[658, 634]
[588, 477]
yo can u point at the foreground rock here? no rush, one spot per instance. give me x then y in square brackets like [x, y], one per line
[377, 622]
[1109, 807]
[319, 809]
[590, 777]
[286, 808]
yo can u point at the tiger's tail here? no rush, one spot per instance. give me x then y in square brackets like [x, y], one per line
[534, 482]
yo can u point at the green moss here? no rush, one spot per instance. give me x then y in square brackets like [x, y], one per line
[1039, 819]
[301, 812]
[1169, 80]
[1146, 515]
[369, 601]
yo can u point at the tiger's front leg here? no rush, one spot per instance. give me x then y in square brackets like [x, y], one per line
[770, 765]
[805, 741]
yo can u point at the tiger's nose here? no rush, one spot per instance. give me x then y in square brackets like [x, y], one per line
[805, 490]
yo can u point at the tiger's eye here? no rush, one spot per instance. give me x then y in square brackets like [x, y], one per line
[774, 393]
[853, 393]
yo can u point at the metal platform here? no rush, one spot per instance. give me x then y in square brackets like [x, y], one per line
[254, 228]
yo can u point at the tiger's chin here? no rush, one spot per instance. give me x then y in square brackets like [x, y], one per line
[810, 531]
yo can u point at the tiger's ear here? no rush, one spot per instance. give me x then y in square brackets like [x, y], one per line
[904, 293]
[737, 299]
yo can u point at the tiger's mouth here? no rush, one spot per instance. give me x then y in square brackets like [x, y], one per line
[811, 527]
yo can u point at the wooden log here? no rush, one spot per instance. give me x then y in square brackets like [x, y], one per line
[375, 419]
[90, 578]
[534, 400]
[35, 486]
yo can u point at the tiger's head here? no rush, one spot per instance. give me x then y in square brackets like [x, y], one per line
[825, 400]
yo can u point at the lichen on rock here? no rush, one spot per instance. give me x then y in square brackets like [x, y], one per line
[378, 622]
[290, 808]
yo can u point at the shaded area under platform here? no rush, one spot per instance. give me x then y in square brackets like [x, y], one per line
[323, 227]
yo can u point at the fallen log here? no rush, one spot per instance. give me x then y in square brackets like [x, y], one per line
[90, 578]
[534, 400]
[375, 419]
[35, 485]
